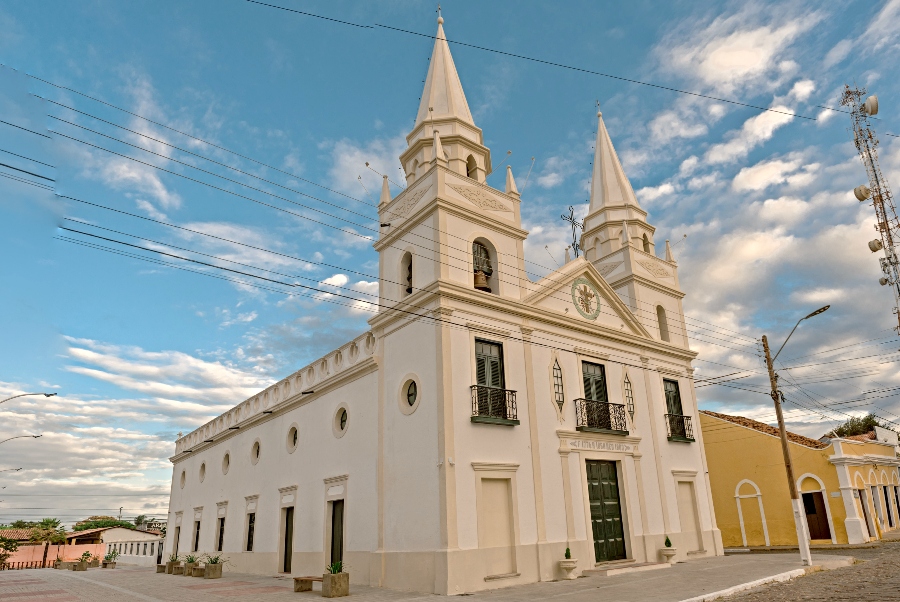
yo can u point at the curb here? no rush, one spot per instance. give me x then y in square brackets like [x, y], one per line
[750, 585]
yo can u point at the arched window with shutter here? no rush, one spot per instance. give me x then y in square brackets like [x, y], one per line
[646, 244]
[471, 168]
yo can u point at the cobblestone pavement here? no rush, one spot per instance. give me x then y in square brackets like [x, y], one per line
[665, 584]
[876, 576]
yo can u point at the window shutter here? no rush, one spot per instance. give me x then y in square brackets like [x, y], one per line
[481, 370]
[594, 381]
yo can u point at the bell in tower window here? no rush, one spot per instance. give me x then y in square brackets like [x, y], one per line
[481, 262]
[406, 273]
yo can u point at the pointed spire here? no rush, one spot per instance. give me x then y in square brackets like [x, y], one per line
[609, 184]
[385, 192]
[511, 183]
[626, 240]
[438, 152]
[669, 256]
[443, 95]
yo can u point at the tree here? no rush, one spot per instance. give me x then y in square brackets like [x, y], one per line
[140, 519]
[19, 524]
[856, 426]
[48, 532]
[106, 522]
[7, 547]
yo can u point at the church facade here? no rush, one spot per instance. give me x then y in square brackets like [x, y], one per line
[486, 422]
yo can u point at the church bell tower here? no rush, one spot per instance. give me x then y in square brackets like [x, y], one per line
[618, 241]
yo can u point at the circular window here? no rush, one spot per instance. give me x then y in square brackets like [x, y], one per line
[254, 452]
[408, 398]
[202, 471]
[226, 462]
[293, 437]
[183, 478]
[341, 421]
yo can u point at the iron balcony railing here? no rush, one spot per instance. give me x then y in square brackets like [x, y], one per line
[600, 415]
[493, 403]
[679, 428]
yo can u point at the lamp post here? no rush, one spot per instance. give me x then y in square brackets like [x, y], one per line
[26, 394]
[21, 437]
[799, 514]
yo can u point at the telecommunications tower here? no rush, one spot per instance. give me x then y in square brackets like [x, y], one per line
[888, 225]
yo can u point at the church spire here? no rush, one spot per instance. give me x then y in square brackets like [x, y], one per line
[609, 185]
[443, 96]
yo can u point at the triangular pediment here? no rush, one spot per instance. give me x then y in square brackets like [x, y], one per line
[577, 290]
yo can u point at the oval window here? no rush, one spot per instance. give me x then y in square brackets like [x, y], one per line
[293, 437]
[412, 393]
[254, 452]
[183, 478]
[343, 419]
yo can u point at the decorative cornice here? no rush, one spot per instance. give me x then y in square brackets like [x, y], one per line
[591, 353]
[489, 329]
[495, 466]
[335, 480]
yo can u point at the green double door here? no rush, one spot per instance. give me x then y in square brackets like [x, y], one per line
[606, 511]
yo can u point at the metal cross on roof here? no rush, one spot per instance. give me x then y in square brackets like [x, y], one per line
[575, 225]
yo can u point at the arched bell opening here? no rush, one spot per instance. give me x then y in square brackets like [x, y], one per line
[484, 262]
[406, 274]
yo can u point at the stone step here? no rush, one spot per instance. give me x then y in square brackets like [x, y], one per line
[610, 570]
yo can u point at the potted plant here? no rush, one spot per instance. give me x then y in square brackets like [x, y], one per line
[190, 561]
[109, 561]
[94, 561]
[668, 552]
[213, 564]
[171, 562]
[82, 563]
[335, 581]
[568, 564]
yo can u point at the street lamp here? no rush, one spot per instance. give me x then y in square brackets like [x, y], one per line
[21, 437]
[799, 513]
[26, 394]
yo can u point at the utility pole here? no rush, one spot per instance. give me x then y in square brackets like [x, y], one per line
[796, 503]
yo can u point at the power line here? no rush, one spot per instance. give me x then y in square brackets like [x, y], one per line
[24, 128]
[258, 162]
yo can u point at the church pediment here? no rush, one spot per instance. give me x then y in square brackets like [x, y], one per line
[579, 291]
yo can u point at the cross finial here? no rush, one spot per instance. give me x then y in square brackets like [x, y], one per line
[440, 18]
[575, 225]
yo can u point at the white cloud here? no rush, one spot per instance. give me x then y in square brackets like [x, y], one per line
[349, 164]
[884, 27]
[838, 53]
[669, 125]
[651, 193]
[336, 280]
[554, 172]
[818, 296]
[774, 171]
[783, 211]
[802, 89]
[755, 131]
[736, 51]
[688, 166]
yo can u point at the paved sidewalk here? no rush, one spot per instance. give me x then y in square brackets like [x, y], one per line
[126, 583]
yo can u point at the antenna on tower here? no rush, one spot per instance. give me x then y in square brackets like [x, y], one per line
[888, 225]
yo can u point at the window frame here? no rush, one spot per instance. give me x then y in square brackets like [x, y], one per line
[587, 394]
[678, 393]
[559, 387]
[250, 531]
[500, 360]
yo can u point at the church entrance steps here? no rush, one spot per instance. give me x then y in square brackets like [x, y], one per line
[608, 569]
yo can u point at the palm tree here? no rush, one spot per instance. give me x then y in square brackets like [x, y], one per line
[47, 532]
[140, 519]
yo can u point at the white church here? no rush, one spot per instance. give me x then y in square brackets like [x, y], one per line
[485, 422]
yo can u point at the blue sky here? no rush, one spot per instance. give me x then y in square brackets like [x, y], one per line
[139, 351]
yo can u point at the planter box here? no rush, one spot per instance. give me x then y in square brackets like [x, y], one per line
[110, 565]
[213, 571]
[335, 585]
[188, 569]
[94, 564]
[160, 568]
[198, 571]
[79, 566]
[169, 566]
[177, 569]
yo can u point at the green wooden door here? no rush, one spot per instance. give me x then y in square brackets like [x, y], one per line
[606, 511]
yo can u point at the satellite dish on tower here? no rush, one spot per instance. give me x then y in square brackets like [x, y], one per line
[862, 192]
[871, 105]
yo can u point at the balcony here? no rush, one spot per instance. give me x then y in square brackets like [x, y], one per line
[600, 417]
[679, 428]
[492, 405]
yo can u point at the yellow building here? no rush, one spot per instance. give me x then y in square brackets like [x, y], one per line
[850, 487]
